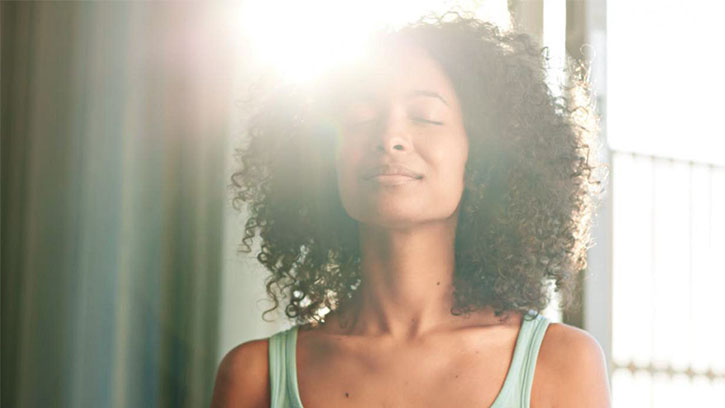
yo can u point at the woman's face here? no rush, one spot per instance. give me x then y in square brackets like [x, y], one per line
[403, 147]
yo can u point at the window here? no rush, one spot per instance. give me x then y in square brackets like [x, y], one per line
[664, 91]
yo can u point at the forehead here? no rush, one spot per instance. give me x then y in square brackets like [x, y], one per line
[400, 69]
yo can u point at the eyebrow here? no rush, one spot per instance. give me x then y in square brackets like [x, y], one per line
[421, 92]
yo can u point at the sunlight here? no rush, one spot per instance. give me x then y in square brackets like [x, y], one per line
[298, 40]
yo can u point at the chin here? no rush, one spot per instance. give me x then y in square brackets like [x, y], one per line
[401, 219]
[391, 222]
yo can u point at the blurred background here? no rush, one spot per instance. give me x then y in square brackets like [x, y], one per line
[121, 281]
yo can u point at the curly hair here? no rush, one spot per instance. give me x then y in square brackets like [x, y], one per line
[530, 180]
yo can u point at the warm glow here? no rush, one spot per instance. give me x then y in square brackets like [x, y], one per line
[299, 39]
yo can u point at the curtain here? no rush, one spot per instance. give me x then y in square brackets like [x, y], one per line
[114, 140]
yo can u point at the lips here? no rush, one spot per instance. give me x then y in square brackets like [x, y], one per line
[391, 170]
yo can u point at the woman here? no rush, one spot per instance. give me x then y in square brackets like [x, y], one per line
[426, 200]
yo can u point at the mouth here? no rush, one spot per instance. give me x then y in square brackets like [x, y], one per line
[392, 173]
[392, 179]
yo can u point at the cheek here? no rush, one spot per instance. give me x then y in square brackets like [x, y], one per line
[450, 159]
[347, 155]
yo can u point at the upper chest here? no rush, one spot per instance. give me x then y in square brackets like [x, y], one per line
[468, 369]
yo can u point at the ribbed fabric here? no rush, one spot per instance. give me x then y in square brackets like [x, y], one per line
[515, 393]
[283, 369]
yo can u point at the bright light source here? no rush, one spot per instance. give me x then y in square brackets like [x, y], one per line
[300, 39]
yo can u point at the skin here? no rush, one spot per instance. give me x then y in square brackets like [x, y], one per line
[396, 343]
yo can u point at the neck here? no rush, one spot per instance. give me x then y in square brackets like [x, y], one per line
[407, 280]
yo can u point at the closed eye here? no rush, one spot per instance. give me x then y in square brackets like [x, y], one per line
[427, 121]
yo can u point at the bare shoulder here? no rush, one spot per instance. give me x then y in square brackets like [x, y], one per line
[571, 370]
[242, 379]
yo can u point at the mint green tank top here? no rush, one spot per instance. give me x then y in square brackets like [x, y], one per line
[515, 393]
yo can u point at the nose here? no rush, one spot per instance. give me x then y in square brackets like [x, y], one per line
[394, 135]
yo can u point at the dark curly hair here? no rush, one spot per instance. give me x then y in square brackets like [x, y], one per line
[530, 180]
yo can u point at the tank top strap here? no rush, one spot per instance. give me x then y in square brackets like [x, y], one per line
[534, 335]
[516, 390]
[283, 370]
